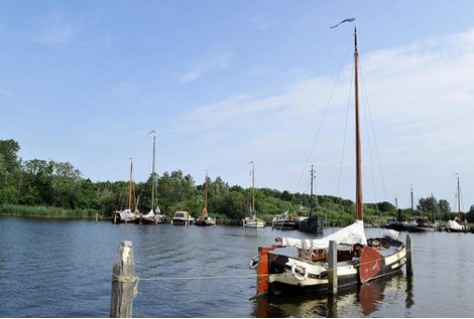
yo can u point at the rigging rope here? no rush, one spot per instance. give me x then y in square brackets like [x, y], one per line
[197, 278]
[370, 120]
[322, 120]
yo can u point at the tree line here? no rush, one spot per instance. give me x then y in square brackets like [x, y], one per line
[51, 184]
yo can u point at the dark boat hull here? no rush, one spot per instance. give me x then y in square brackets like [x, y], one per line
[200, 222]
[284, 225]
[313, 224]
[179, 222]
[149, 221]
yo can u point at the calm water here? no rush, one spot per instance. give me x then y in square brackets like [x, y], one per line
[63, 269]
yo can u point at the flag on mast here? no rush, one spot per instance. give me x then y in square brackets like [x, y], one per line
[345, 20]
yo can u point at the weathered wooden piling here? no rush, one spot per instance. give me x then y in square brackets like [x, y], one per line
[409, 247]
[332, 273]
[332, 306]
[123, 282]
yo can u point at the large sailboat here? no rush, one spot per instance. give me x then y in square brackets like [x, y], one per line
[253, 221]
[455, 226]
[154, 216]
[359, 259]
[126, 215]
[205, 219]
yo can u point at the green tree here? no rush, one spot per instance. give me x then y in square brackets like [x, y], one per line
[234, 205]
[10, 171]
[470, 214]
[386, 207]
[443, 206]
[38, 183]
[66, 184]
[86, 197]
[111, 197]
[428, 205]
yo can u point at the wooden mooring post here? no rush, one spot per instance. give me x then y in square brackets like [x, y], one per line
[124, 282]
[409, 247]
[332, 273]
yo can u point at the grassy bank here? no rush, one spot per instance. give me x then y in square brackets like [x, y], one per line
[47, 212]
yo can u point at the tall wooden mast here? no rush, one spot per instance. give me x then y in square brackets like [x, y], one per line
[253, 191]
[205, 198]
[357, 128]
[311, 194]
[459, 199]
[130, 186]
[153, 182]
[153, 176]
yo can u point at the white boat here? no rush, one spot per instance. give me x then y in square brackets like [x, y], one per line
[182, 218]
[253, 221]
[283, 222]
[126, 215]
[154, 216]
[359, 259]
[454, 227]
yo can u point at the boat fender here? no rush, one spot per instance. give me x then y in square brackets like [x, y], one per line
[253, 262]
[296, 272]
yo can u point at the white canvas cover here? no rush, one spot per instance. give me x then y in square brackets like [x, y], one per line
[452, 224]
[126, 215]
[391, 233]
[352, 234]
[150, 214]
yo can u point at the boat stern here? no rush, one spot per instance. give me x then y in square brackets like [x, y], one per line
[276, 273]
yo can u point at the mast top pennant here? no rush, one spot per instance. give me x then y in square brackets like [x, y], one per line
[345, 20]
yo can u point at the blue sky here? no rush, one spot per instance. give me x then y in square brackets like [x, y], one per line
[224, 83]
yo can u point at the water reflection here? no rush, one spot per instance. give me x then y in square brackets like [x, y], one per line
[362, 302]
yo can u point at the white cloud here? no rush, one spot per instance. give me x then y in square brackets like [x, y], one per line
[58, 34]
[55, 28]
[218, 59]
[262, 22]
[126, 89]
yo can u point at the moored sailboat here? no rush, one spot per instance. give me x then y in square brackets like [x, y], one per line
[205, 219]
[359, 259]
[126, 215]
[154, 216]
[455, 226]
[253, 221]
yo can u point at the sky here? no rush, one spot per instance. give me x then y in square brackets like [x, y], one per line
[226, 83]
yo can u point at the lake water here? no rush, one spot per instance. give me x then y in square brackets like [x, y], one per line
[52, 268]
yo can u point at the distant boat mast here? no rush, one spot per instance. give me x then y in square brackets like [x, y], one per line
[459, 197]
[130, 185]
[311, 193]
[153, 173]
[253, 192]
